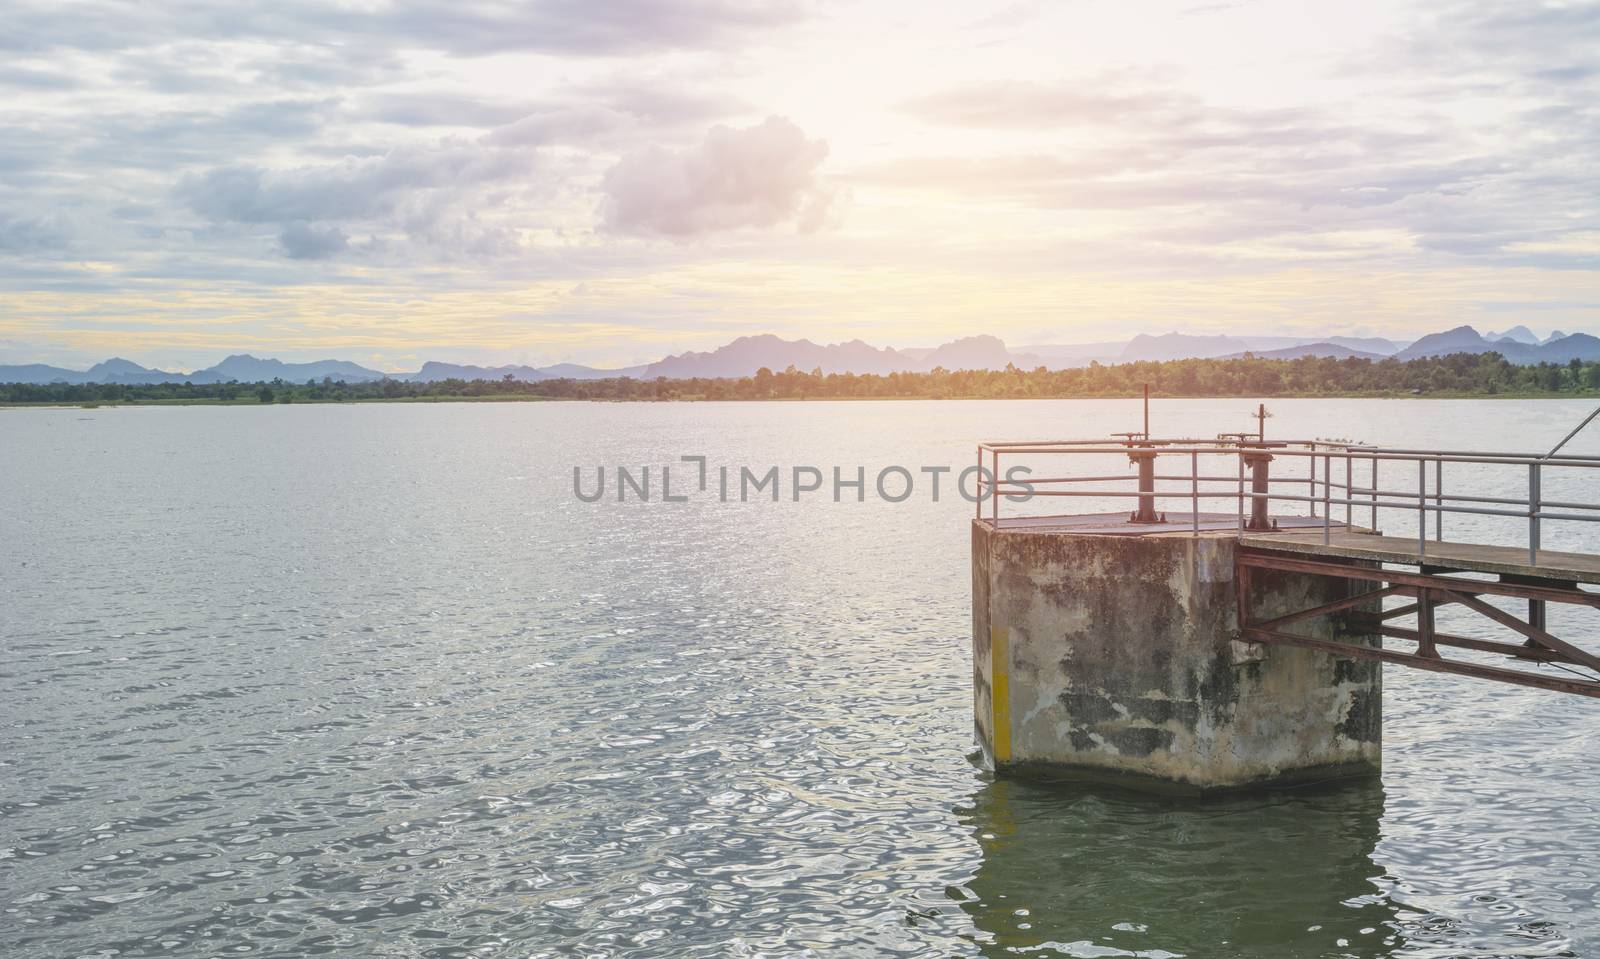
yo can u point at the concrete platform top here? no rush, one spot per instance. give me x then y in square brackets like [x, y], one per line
[1504, 560]
[1116, 524]
[1303, 535]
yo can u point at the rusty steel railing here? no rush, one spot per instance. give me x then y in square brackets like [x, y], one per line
[1318, 487]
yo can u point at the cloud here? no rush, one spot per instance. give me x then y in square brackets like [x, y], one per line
[1442, 182]
[1028, 105]
[391, 148]
[353, 188]
[305, 241]
[576, 27]
[27, 78]
[31, 234]
[599, 113]
[565, 124]
[1537, 41]
[1207, 9]
[1011, 15]
[434, 108]
[430, 193]
[587, 114]
[161, 140]
[661, 100]
[757, 176]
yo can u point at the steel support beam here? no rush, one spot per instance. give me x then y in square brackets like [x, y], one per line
[1430, 590]
[1435, 664]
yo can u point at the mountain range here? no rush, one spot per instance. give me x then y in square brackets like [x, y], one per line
[745, 355]
[1465, 339]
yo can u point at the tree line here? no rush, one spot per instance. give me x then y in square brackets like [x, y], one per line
[1462, 374]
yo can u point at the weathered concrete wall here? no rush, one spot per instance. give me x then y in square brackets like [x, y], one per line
[1117, 657]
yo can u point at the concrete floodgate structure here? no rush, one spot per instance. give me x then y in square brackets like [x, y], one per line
[1113, 654]
[1204, 652]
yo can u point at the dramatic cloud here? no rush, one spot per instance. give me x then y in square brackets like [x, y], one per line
[384, 170]
[758, 176]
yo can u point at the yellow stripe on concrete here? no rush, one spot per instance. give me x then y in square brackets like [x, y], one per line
[1000, 691]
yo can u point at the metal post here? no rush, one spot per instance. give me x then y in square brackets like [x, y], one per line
[1422, 507]
[1146, 513]
[1194, 489]
[1349, 491]
[1425, 644]
[1533, 514]
[1261, 486]
[1374, 494]
[994, 487]
[977, 500]
[1241, 492]
[1311, 485]
[1327, 490]
[1438, 500]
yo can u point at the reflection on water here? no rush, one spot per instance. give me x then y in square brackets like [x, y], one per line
[1097, 872]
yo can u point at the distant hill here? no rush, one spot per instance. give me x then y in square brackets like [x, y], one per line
[114, 370]
[1074, 354]
[1465, 339]
[1578, 346]
[1330, 350]
[1517, 334]
[747, 354]
[1180, 346]
[572, 371]
[241, 368]
[118, 370]
[40, 373]
[1366, 344]
[245, 368]
[976, 353]
[1462, 339]
[433, 371]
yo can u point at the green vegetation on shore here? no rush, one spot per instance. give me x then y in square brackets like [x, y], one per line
[1486, 374]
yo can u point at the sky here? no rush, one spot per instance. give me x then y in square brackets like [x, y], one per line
[609, 182]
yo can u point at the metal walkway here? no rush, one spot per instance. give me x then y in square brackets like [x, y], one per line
[1473, 557]
[1358, 485]
[1362, 563]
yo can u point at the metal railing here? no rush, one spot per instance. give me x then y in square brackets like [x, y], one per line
[1318, 487]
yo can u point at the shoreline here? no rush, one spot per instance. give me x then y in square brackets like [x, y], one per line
[526, 398]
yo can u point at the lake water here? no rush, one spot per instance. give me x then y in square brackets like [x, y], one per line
[370, 680]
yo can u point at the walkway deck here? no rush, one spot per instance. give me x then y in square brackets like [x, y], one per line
[1116, 524]
[1503, 560]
